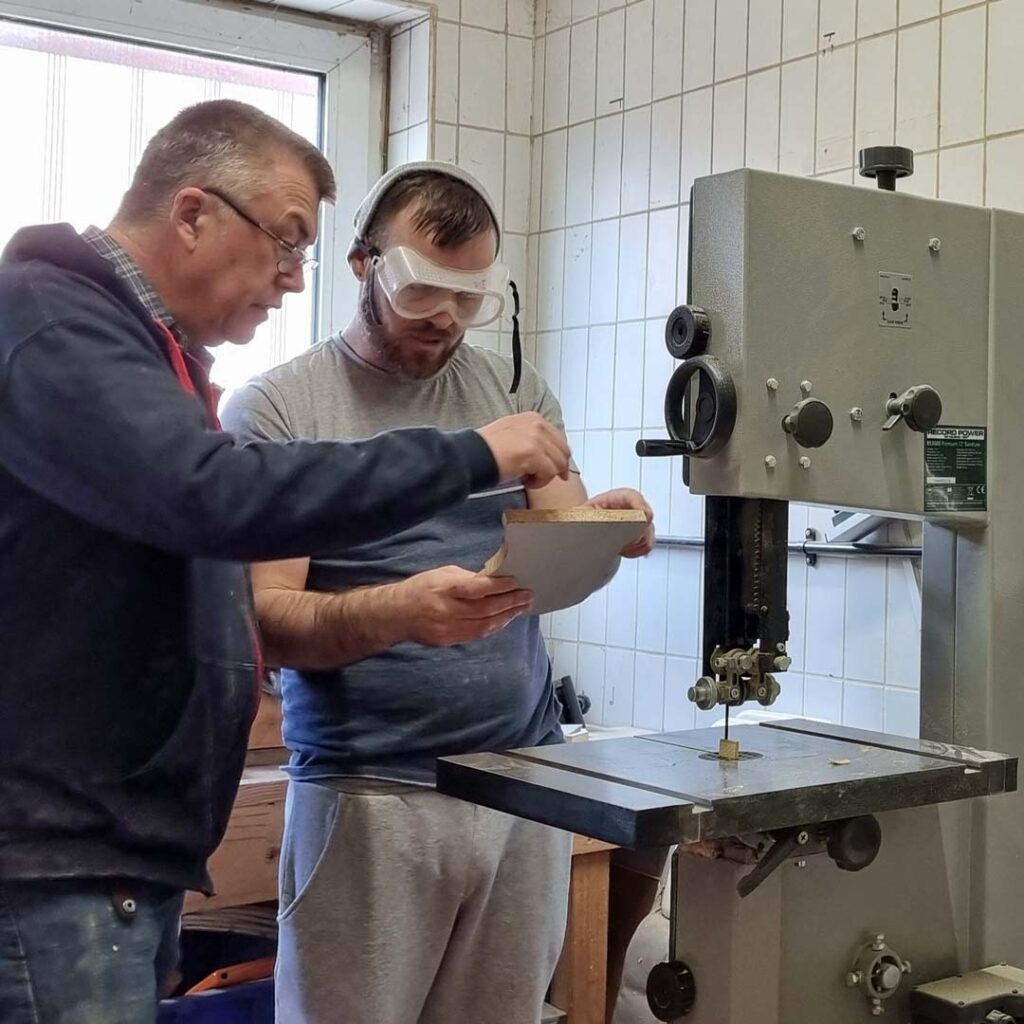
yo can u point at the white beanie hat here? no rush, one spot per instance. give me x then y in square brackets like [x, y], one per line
[369, 206]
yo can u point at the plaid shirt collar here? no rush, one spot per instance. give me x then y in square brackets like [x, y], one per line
[128, 270]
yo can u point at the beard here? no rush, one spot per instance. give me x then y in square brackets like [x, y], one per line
[387, 346]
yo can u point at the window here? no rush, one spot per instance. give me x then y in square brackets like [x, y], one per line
[89, 102]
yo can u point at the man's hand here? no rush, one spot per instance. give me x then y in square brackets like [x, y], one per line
[450, 605]
[626, 497]
[527, 446]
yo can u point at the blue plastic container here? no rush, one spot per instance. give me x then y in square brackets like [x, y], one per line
[202, 953]
[252, 1003]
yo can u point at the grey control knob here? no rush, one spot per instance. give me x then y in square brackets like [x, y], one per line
[703, 693]
[920, 407]
[810, 423]
[768, 692]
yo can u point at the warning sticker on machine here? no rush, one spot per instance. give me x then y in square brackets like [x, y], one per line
[955, 469]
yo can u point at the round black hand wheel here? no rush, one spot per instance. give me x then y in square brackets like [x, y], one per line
[715, 415]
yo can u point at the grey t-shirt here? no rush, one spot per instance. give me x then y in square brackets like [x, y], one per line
[391, 715]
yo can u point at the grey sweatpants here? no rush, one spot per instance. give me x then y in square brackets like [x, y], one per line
[403, 906]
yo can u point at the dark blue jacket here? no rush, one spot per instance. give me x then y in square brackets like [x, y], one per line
[128, 652]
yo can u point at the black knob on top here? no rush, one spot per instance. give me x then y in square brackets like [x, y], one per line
[920, 407]
[885, 164]
[671, 990]
[810, 423]
[687, 332]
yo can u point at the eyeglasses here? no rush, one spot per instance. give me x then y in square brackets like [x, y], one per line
[296, 256]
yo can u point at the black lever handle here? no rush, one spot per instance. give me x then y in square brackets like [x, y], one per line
[649, 447]
[785, 844]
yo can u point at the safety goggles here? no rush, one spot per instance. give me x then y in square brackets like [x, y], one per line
[417, 289]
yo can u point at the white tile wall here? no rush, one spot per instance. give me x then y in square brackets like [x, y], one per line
[834, 123]
[729, 134]
[962, 174]
[485, 13]
[698, 44]
[604, 272]
[837, 22]
[552, 195]
[696, 138]
[666, 122]
[600, 383]
[662, 244]
[649, 691]
[611, 55]
[482, 79]
[1005, 110]
[618, 687]
[1004, 182]
[668, 45]
[917, 114]
[797, 116]
[636, 160]
[762, 144]
[582, 71]
[764, 34]
[556, 79]
[592, 152]
[632, 266]
[876, 92]
[579, 197]
[799, 28]
[679, 676]
[917, 10]
[730, 38]
[398, 110]
[558, 14]
[639, 54]
[962, 88]
[875, 16]
[607, 166]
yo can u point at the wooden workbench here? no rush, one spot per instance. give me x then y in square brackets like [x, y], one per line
[244, 870]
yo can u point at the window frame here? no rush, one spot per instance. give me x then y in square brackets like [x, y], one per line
[350, 60]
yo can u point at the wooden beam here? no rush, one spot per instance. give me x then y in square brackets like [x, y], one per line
[581, 976]
[244, 866]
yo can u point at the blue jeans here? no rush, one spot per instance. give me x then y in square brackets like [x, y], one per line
[85, 951]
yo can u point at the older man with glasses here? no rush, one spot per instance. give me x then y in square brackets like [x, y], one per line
[296, 257]
[130, 655]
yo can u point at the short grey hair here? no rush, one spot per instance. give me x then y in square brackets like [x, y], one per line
[219, 143]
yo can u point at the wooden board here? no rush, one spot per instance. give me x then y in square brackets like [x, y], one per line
[265, 733]
[564, 555]
[244, 866]
[580, 980]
